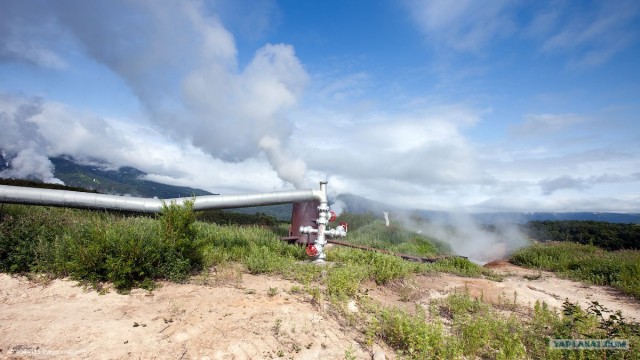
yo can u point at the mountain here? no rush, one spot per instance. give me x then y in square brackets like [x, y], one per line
[126, 180]
[359, 205]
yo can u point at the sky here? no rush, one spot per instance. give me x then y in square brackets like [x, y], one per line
[426, 104]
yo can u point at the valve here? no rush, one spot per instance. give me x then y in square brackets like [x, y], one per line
[332, 216]
[344, 225]
[312, 251]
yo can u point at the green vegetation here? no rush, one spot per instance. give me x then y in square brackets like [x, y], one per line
[132, 251]
[125, 180]
[366, 230]
[222, 217]
[460, 326]
[620, 269]
[135, 251]
[606, 235]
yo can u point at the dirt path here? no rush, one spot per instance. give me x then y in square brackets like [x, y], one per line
[520, 286]
[176, 321]
[251, 317]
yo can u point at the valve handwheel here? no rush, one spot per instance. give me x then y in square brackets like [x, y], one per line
[344, 225]
[333, 216]
[312, 250]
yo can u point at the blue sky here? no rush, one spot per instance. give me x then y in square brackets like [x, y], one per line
[464, 105]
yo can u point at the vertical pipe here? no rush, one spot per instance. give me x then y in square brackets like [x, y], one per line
[323, 220]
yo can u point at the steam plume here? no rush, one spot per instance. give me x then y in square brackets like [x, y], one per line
[289, 169]
[468, 238]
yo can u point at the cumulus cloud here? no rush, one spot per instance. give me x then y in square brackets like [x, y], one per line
[34, 130]
[414, 148]
[23, 144]
[181, 63]
[229, 122]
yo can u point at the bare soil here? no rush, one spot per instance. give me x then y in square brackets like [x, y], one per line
[239, 316]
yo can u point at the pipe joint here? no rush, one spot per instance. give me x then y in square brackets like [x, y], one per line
[308, 230]
[339, 231]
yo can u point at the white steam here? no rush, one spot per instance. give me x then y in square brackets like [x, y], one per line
[289, 168]
[468, 238]
[180, 62]
[338, 207]
[25, 147]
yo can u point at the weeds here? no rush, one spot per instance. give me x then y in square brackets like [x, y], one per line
[620, 269]
[473, 329]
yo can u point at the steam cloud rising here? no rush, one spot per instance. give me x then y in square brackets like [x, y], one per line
[468, 238]
[178, 60]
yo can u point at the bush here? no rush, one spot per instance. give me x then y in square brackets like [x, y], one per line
[343, 281]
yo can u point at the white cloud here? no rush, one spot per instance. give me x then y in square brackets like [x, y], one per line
[215, 123]
[591, 35]
[20, 139]
[464, 25]
[182, 64]
[587, 33]
[34, 130]
[413, 148]
[545, 124]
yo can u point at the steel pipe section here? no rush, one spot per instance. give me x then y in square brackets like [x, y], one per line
[73, 199]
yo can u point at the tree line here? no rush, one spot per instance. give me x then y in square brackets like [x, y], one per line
[609, 236]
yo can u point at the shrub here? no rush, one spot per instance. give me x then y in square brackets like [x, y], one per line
[343, 281]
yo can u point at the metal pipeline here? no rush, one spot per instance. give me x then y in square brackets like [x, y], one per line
[73, 199]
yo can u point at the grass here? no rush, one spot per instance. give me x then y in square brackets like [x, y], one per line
[620, 269]
[132, 251]
[393, 238]
[460, 326]
[136, 251]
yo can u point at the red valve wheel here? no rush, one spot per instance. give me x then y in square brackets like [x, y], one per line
[312, 251]
[344, 225]
[333, 216]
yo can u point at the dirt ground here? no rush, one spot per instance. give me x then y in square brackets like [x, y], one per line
[243, 317]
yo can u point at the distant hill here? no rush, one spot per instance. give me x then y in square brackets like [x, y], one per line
[126, 180]
[360, 205]
[521, 218]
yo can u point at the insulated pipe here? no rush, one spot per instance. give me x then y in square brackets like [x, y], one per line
[73, 199]
[65, 198]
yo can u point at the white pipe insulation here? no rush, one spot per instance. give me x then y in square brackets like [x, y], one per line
[73, 199]
[65, 198]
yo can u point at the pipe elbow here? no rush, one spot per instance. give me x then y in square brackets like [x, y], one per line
[321, 196]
